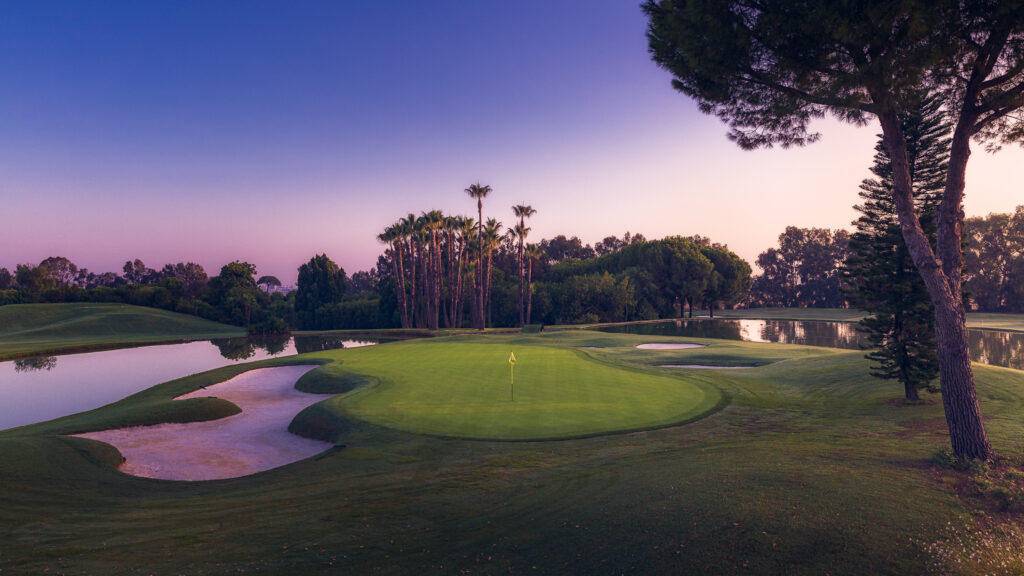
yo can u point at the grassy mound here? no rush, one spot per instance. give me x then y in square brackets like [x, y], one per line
[331, 379]
[462, 388]
[42, 328]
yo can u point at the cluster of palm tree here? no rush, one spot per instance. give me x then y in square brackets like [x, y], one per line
[438, 259]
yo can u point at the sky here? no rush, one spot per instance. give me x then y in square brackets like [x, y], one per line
[269, 132]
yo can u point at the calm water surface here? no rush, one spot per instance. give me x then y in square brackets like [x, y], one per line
[47, 387]
[987, 346]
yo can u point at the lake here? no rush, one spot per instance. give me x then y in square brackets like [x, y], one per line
[987, 346]
[74, 383]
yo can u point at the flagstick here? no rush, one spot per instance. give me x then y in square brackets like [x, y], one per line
[512, 377]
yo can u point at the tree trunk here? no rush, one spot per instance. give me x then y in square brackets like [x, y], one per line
[963, 414]
[519, 265]
[487, 289]
[529, 290]
[449, 303]
[403, 306]
[457, 307]
[480, 267]
[910, 391]
[435, 284]
[409, 283]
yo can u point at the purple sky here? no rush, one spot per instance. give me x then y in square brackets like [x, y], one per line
[268, 132]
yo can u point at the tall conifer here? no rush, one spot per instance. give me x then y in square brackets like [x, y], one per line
[881, 277]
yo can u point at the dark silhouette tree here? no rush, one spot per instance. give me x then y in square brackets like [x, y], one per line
[729, 280]
[804, 270]
[268, 283]
[533, 253]
[320, 283]
[234, 293]
[479, 192]
[521, 211]
[995, 261]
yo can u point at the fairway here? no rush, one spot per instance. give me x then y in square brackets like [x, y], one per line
[462, 388]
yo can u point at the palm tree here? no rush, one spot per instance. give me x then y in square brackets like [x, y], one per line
[533, 252]
[394, 236]
[491, 240]
[405, 229]
[465, 232]
[522, 211]
[433, 221]
[480, 192]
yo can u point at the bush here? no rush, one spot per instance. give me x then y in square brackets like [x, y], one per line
[271, 325]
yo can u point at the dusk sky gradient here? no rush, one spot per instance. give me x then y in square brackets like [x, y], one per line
[271, 131]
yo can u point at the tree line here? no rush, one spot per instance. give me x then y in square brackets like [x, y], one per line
[805, 270]
[448, 271]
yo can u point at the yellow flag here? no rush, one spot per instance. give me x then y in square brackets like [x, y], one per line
[512, 358]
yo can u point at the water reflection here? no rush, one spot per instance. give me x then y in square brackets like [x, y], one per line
[987, 346]
[305, 344]
[997, 348]
[38, 363]
[38, 389]
[245, 348]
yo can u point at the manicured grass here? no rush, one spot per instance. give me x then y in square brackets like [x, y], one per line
[27, 329]
[810, 468]
[1009, 322]
[459, 387]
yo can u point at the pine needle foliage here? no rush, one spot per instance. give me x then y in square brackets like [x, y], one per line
[880, 274]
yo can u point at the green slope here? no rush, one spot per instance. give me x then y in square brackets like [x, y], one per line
[44, 328]
[461, 387]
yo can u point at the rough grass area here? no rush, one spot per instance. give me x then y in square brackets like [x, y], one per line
[27, 329]
[809, 469]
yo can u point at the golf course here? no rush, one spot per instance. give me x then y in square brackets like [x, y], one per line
[594, 459]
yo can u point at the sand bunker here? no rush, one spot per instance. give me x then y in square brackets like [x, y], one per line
[257, 439]
[668, 346]
[704, 366]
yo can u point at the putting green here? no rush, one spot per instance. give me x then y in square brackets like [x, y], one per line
[463, 389]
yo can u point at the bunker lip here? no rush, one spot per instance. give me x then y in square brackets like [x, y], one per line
[668, 346]
[705, 366]
[252, 441]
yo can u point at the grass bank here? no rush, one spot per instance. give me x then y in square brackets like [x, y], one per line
[30, 329]
[810, 468]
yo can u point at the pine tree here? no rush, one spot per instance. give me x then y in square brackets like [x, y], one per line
[880, 276]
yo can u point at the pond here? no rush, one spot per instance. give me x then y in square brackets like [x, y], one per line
[987, 346]
[47, 387]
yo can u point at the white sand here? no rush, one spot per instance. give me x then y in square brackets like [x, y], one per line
[704, 366]
[257, 439]
[666, 346]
